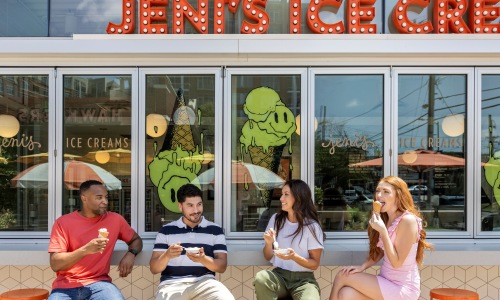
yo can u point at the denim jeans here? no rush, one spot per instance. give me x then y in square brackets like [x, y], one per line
[101, 290]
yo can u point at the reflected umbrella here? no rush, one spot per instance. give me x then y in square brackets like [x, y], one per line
[75, 173]
[419, 160]
[41, 157]
[245, 173]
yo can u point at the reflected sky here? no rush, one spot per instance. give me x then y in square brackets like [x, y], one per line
[352, 105]
[24, 18]
[83, 17]
[429, 98]
[490, 114]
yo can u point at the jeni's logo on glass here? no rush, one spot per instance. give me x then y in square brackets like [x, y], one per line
[24, 141]
[448, 16]
[344, 142]
[361, 142]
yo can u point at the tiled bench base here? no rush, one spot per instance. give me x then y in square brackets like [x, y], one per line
[141, 284]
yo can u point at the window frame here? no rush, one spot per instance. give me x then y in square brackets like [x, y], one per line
[470, 158]
[226, 161]
[479, 72]
[50, 73]
[385, 72]
[223, 91]
[59, 143]
[141, 151]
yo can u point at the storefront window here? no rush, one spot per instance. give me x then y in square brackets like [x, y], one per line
[180, 143]
[431, 153]
[97, 138]
[348, 148]
[265, 145]
[24, 18]
[24, 114]
[490, 152]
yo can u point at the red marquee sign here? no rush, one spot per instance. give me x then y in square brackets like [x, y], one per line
[448, 17]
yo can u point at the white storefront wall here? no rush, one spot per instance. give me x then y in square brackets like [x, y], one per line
[113, 51]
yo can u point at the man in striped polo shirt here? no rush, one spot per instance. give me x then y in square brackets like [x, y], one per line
[188, 252]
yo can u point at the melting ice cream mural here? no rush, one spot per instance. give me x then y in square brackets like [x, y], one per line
[264, 135]
[492, 170]
[173, 165]
[492, 174]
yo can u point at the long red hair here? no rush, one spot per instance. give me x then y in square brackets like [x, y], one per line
[404, 202]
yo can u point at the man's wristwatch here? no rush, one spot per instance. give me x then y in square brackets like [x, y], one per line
[133, 251]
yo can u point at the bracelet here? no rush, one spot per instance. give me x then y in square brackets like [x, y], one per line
[133, 251]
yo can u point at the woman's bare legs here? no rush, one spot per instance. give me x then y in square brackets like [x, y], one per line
[355, 286]
[348, 292]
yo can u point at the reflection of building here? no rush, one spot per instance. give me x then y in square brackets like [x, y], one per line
[81, 87]
[16, 92]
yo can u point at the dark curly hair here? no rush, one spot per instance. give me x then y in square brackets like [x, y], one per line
[188, 190]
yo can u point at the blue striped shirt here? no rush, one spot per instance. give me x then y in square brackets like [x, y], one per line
[181, 269]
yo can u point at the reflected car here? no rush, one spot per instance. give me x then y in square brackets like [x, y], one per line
[452, 201]
[418, 202]
[422, 188]
[350, 195]
[362, 202]
[333, 200]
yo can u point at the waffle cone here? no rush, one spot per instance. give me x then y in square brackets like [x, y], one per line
[103, 234]
[269, 160]
[183, 136]
[179, 132]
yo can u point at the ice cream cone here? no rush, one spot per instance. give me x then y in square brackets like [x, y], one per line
[269, 128]
[377, 206]
[179, 131]
[103, 233]
[182, 135]
[269, 160]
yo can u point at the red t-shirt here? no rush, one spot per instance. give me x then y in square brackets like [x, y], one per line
[72, 231]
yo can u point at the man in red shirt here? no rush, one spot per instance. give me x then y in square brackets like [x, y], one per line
[81, 258]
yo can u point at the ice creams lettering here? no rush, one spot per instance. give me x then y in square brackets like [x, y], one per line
[269, 127]
[172, 166]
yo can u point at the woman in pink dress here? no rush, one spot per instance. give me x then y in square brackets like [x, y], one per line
[396, 234]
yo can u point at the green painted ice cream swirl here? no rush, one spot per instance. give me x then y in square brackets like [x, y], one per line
[270, 123]
[260, 102]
